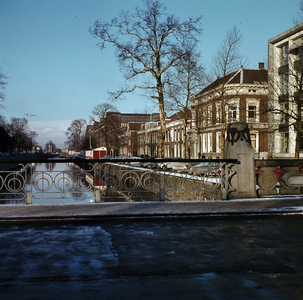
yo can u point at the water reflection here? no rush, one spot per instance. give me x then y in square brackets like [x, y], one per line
[53, 183]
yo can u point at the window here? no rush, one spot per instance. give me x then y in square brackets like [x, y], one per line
[199, 118]
[284, 116]
[204, 142]
[218, 141]
[204, 117]
[252, 113]
[210, 145]
[232, 113]
[253, 138]
[285, 53]
[285, 142]
[200, 143]
[252, 110]
[209, 115]
[218, 113]
[285, 84]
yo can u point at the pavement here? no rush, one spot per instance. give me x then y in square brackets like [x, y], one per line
[20, 213]
[237, 249]
[234, 257]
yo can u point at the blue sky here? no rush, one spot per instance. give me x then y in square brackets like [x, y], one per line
[56, 72]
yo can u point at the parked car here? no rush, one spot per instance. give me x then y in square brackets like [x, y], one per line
[150, 164]
[133, 163]
[180, 167]
[170, 165]
[205, 167]
[107, 157]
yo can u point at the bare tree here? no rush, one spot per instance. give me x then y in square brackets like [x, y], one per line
[3, 122]
[106, 122]
[31, 141]
[4, 136]
[2, 87]
[226, 60]
[299, 17]
[148, 43]
[19, 131]
[76, 134]
[187, 80]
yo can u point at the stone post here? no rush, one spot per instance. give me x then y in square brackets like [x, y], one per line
[238, 146]
[29, 197]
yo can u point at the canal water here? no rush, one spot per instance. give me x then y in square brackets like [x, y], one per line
[49, 183]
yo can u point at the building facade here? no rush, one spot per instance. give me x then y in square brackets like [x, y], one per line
[245, 99]
[173, 144]
[121, 135]
[285, 62]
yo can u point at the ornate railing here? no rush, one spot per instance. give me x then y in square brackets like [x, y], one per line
[113, 180]
[279, 177]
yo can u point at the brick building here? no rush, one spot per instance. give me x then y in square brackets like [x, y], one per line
[245, 100]
[121, 134]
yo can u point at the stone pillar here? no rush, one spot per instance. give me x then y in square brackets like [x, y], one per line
[238, 146]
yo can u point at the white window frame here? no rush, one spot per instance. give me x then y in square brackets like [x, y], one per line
[256, 103]
[218, 112]
[233, 102]
[257, 139]
[218, 141]
[209, 142]
[204, 144]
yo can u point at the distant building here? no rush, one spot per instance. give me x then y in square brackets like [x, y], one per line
[122, 134]
[148, 137]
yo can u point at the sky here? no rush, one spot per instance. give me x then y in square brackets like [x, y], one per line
[56, 72]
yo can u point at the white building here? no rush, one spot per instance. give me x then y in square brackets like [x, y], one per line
[284, 83]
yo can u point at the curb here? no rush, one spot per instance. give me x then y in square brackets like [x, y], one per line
[127, 210]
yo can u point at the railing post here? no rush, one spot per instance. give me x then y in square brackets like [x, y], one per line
[29, 197]
[238, 146]
[162, 195]
[162, 190]
[97, 196]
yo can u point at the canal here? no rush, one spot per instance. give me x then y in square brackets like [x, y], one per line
[58, 183]
[48, 183]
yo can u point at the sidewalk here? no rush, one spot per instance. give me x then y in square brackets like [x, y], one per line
[17, 213]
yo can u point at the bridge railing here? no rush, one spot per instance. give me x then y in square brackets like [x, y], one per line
[279, 177]
[114, 180]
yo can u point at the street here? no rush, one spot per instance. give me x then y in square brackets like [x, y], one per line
[251, 257]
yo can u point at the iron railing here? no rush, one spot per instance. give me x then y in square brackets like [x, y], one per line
[113, 180]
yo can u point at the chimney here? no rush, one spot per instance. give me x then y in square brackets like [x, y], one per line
[261, 65]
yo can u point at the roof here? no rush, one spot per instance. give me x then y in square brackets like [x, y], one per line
[241, 76]
[289, 32]
[179, 115]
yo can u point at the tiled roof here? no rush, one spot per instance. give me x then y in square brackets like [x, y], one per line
[249, 76]
[179, 115]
